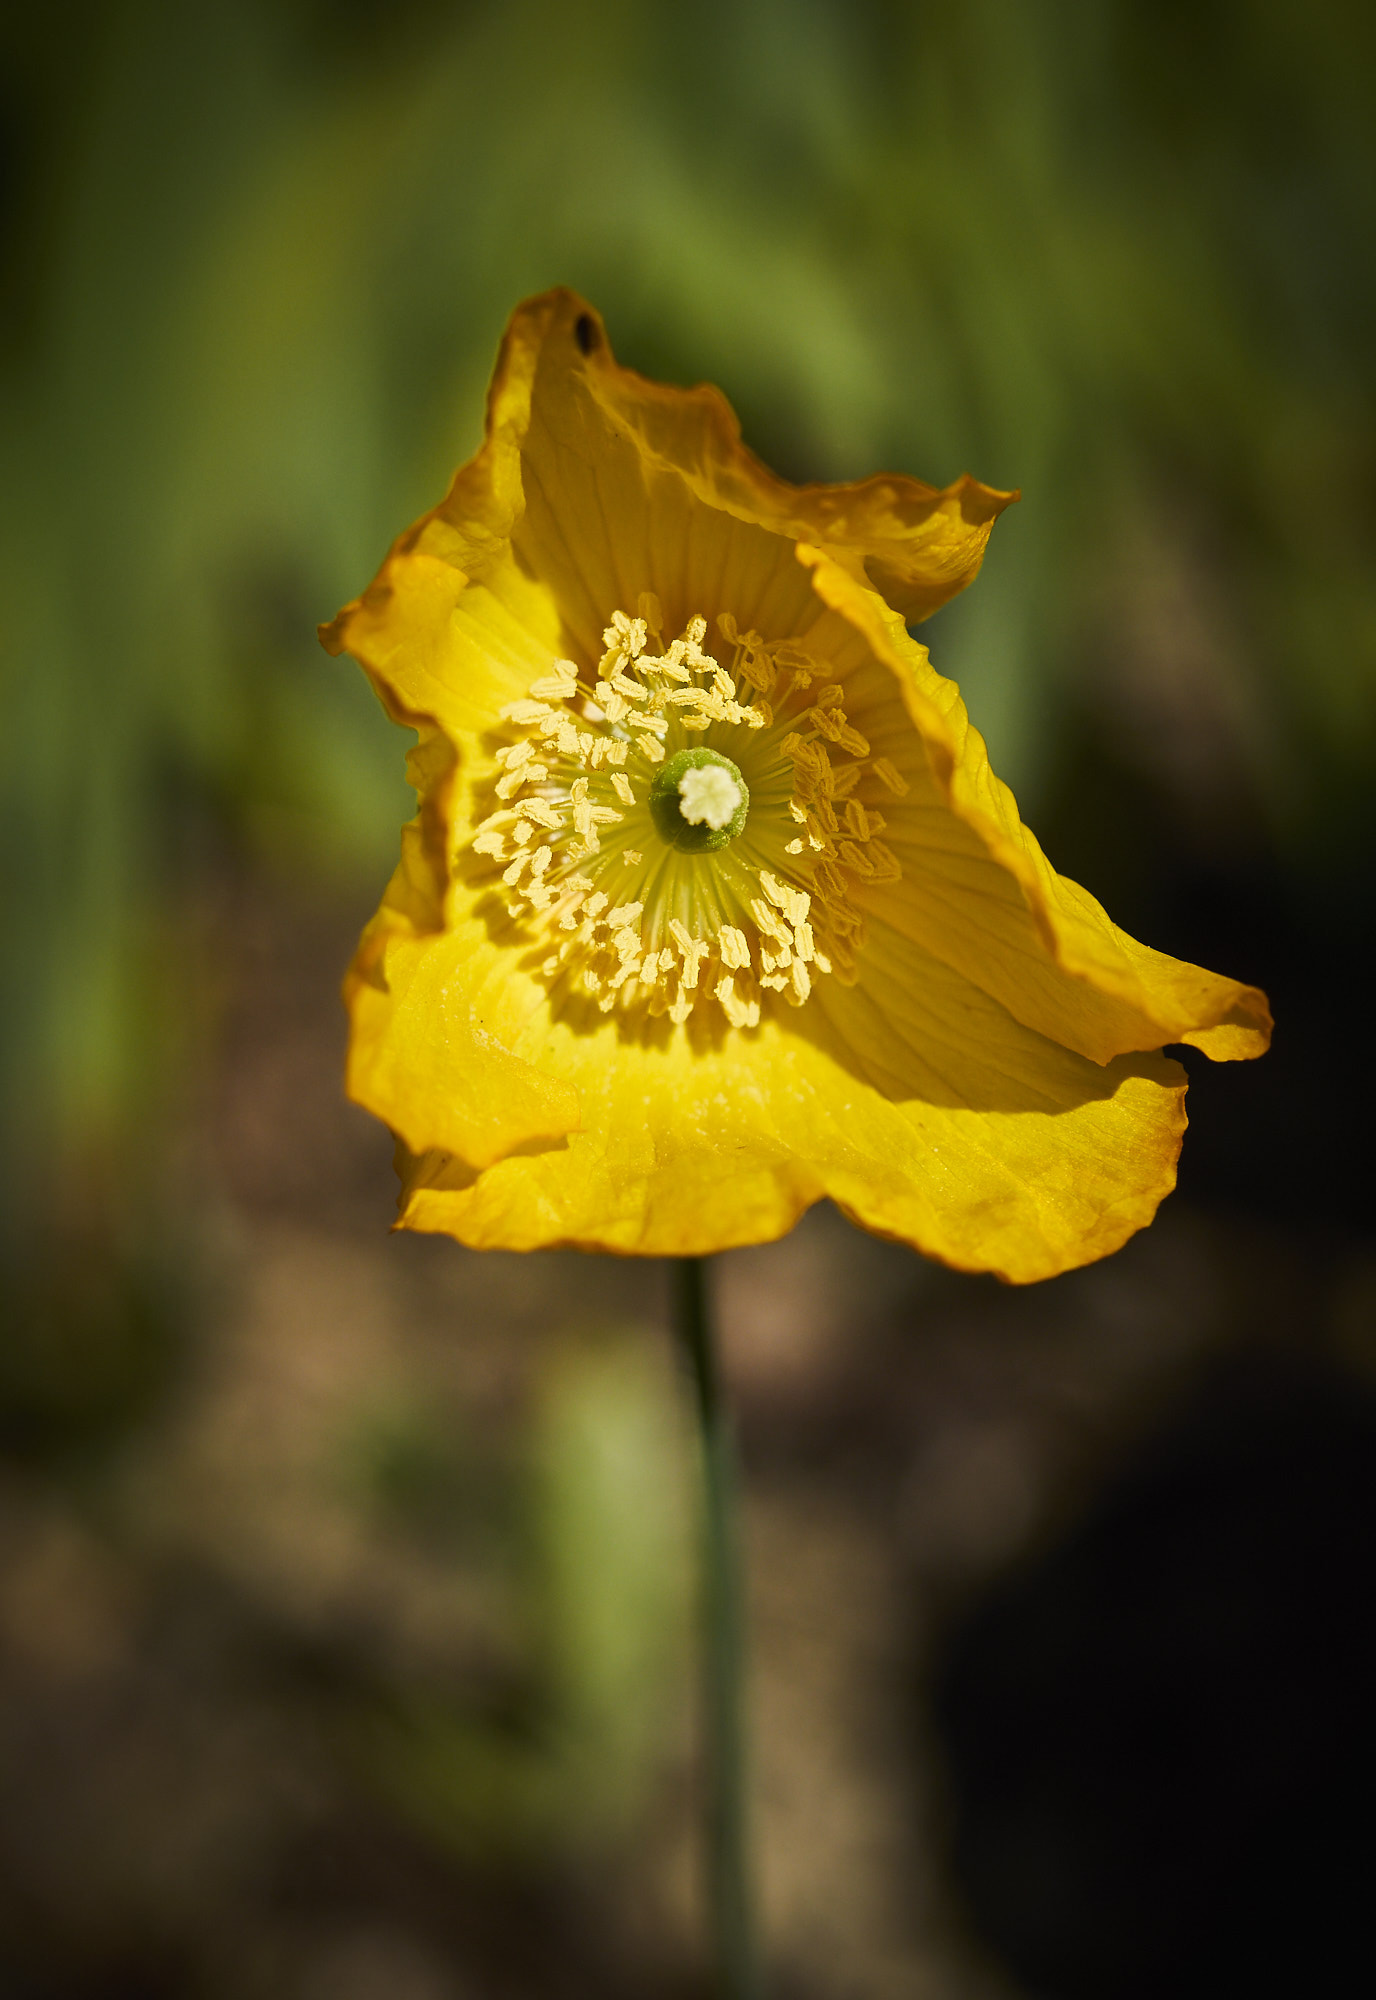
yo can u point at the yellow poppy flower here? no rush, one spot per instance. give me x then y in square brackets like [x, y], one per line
[713, 906]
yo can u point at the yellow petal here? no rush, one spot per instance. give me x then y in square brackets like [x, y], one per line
[913, 1100]
[433, 1014]
[605, 484]
[442, 646]
[919, 544]
[611, 511]
[978, 892]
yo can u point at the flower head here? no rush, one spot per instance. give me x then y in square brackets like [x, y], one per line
[713, 906]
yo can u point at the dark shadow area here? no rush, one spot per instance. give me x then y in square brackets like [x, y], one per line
[1268, 1139]
[1159, 1735]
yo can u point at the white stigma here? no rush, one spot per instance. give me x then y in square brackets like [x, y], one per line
[709, 796]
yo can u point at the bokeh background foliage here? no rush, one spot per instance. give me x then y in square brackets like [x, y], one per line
[255, 257]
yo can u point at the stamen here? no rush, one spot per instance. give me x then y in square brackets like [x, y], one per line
[667, 756]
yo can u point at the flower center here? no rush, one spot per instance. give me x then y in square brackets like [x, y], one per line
[669, 828]
[699, 801]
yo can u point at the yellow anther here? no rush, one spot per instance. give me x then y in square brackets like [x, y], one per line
[542, 812]
[830, 882]
[774, 890]
[582, 807]
[624, 639]
[810, 757]
[558, 685]
[793, 902]
[769, 922]
[830, 721]
[525, 713]
[756, 669]
[890, 775]
[628, 632]
[732, 947]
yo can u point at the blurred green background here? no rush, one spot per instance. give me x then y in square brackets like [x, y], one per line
[254, 263]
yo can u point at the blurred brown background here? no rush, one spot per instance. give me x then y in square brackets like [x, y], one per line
[345, 1580]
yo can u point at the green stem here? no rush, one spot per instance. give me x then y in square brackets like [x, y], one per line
[723, 1645]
